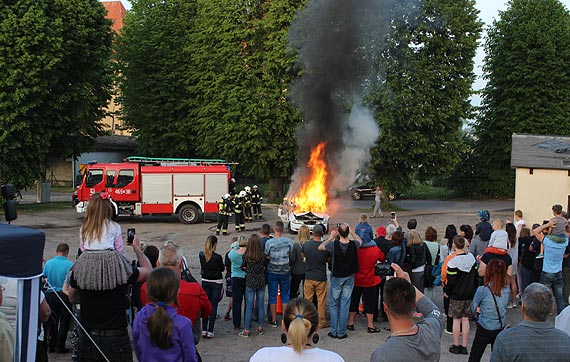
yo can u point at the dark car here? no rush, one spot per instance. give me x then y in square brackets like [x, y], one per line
[359, 192]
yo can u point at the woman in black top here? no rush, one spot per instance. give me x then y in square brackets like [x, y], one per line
[254, 264]
[212, 266]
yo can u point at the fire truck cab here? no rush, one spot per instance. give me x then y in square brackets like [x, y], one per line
[189, 188]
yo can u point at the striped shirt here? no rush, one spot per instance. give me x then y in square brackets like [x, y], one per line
[532, 341]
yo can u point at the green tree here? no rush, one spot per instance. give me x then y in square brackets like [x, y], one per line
[153, 68]
[242, 69]
[54, 57]
[426, 68]
[527, 68]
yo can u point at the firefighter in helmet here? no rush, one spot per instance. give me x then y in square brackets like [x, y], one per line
[232, 186]
[256, 199]
[247, 204]
[224, 212]
[239, 208]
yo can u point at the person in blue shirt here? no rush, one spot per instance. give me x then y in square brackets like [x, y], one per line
[55, 271]
[491, 299]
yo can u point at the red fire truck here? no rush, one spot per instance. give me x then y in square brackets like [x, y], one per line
[189, 188]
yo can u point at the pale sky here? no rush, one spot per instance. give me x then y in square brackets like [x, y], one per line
[489, 10]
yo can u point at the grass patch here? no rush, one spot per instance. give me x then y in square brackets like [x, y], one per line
[428, 192]
[46, 206]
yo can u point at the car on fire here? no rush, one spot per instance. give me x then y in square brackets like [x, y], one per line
[366, 190]
[294, 220]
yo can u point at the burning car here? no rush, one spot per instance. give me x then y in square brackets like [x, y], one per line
[294, 220]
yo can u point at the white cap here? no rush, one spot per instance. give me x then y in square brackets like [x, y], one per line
[226, 196]
[254, 186]
[247, 189]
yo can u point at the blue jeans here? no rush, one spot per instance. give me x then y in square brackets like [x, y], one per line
[341, 290]
[213, 291]
[554, 281]
[281, 280]
[250, 295]
[238, 292]
[526, 278]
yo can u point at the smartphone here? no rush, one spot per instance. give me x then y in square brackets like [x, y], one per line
[130, 236]
[392, 215]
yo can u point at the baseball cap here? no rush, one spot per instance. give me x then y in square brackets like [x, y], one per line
[381, 231]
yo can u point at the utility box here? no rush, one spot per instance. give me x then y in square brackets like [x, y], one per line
[43, 192]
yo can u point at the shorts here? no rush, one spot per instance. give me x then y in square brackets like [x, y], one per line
[459, 308]
[228, 286]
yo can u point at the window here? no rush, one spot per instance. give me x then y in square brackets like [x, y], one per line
[125, 177]
[94, 177]
[111, 177]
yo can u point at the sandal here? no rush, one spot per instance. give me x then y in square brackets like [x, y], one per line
[373, 330]
[350, 327]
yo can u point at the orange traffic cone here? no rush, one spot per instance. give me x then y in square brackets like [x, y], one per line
[279, 306]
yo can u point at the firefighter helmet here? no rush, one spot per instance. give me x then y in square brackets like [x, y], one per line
[226, 196]
[247, 189]
[255, 187]
[242, 193]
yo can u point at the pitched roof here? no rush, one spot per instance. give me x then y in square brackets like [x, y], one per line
[540, 151]
[116, 12]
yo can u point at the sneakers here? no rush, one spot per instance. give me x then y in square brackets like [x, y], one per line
[260, 332]
[272, 324]
[210, 335]
[511, 305]
[204, 334]
[244, 334]
[455, 349]
[448, 332]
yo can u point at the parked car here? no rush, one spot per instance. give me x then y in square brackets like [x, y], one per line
[359, 192]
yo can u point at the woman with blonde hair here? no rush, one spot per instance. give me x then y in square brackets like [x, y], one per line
[212, 266]
[300, 324]
[102, 265]
[297, 262]
[416, 255]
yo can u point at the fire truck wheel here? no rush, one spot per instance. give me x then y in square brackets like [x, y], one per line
[188, 214]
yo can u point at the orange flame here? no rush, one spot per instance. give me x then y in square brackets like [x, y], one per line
[312, 195]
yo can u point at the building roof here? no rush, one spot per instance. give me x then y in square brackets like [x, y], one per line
[116, 12]
[540, 151]
[115, 143]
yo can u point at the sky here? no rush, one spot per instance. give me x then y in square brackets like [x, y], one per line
[489, 11]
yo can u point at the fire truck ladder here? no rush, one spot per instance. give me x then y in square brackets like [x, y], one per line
[178, 161]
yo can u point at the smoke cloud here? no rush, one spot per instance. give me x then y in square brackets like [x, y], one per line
[337, 41]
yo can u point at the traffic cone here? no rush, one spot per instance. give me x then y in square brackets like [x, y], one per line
[279, 306]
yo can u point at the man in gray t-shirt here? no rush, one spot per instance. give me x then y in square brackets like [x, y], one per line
[409, 341]
[316, 273]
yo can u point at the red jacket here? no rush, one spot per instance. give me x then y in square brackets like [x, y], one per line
[367, 258]
[193, 301]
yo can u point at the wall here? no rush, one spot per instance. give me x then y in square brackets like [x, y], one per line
[535, 194]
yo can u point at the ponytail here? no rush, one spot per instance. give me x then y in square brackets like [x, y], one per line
[298, 332]
[160, 327]
[162, 288]
[301, 321]
[210, 246]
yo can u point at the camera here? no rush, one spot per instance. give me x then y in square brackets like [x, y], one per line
[130, 236]
[383, 270]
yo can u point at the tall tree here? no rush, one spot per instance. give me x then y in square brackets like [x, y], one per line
[426, 73]
[153, 67]
[54, 57]
[527, 68]
[241, 74]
